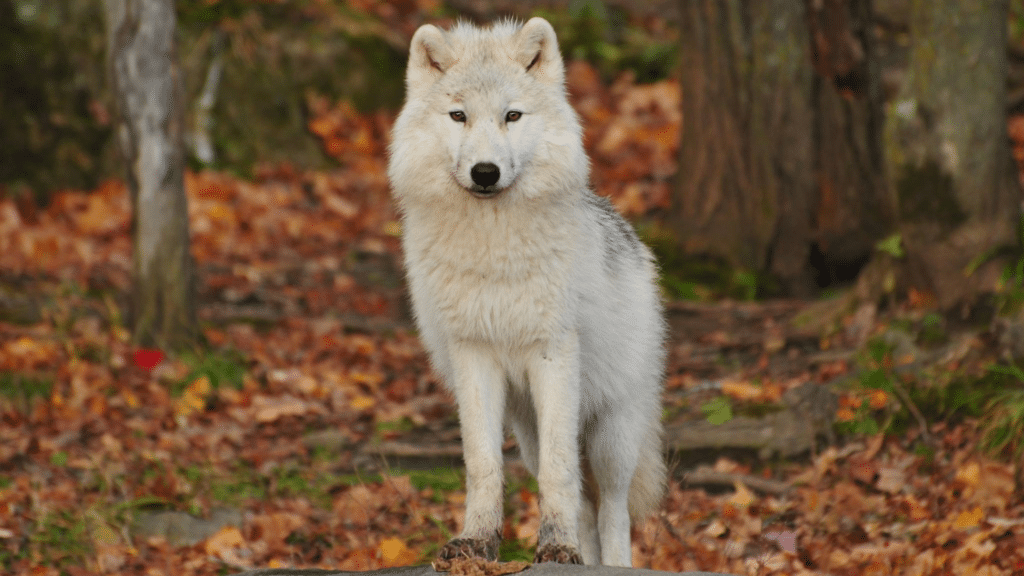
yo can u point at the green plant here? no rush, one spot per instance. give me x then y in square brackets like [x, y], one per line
[512, 549]
[932, 329]
[60, 538]
[440, 479]
[1003, 424]
[400, 425]
[866, 411]
[220, 367]
[718, 410]
[891, 245]
[23, 387]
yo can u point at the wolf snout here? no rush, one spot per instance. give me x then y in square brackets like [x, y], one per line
[485, 174]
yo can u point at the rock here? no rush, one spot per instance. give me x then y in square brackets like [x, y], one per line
[545, 569]
[181, 529]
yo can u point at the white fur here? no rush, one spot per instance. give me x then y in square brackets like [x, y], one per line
[536, 302]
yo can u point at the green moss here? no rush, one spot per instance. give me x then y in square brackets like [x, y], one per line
[699, 277]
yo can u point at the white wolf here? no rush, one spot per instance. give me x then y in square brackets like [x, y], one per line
[535, 300]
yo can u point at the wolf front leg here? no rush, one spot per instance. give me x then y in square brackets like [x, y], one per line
[554, 376]
[479, 386]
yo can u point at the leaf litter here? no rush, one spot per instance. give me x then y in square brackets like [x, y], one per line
[303, 311]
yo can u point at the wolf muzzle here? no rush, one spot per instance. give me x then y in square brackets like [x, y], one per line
[485, 175]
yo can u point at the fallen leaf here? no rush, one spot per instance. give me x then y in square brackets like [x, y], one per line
[147, 358]
[269, 409]
[741, 390]
[227, 544]
[394, 552]
[969, 518]
[193, 399]
[743, 497]
[478, 567]
[785, 539]
[362, 402]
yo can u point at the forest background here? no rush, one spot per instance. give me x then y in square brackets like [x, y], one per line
[843, 394]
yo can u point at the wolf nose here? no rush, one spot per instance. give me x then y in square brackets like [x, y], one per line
[485, 174]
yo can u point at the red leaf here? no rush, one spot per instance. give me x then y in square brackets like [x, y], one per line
[147, 358]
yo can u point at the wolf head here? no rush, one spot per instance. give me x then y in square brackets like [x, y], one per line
[486, 115]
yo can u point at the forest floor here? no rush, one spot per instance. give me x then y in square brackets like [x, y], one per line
[308, 430]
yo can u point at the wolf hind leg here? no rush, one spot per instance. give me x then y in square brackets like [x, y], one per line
[590, 542]
[613, 452]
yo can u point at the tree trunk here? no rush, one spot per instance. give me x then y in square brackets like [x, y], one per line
[147, 82]
[948, 159]
[779, 156]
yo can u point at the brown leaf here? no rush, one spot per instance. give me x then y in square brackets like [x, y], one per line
[478, 567]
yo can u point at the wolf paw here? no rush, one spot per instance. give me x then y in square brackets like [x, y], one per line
[561, 553]
[486, 548]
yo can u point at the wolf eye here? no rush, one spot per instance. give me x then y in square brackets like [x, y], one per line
[513, 115]
[458, 115]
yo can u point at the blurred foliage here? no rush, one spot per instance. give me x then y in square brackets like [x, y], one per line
[58, 111]
[602, 35]
[699, 277]
[56, 125]
[276, 53]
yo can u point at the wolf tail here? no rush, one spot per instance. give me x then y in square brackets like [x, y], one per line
[648, 485]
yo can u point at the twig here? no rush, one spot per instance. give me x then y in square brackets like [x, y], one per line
[912, 408]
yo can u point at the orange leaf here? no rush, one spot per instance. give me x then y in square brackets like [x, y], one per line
[224, 542]
[362, 402]
[742, 390]
[969, 474]
[743, 497]
[969, 518]
[194, 398]
[394, 552]
[877, 399]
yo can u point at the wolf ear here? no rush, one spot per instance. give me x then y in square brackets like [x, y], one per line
[538, 50]
[430, 56]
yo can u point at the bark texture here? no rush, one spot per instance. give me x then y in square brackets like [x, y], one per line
[779, 140]
[147, 83]
[947, 150]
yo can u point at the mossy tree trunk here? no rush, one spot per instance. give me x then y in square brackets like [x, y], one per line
[779, 155]
[147, 82]
[947, 153]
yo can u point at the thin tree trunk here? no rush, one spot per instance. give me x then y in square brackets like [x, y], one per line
[147, 82]
[948, 159]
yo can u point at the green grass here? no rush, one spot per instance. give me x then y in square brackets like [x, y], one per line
[220, 367]
[1003, 424]
[440, 479]
[22, 387]
[512, 549]
[61, 539]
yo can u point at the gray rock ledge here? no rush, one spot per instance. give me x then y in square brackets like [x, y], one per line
[545, 569]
